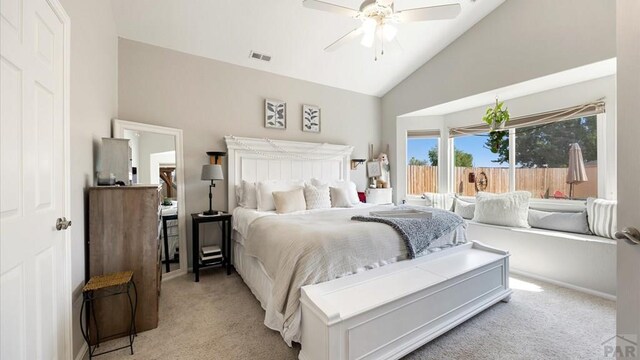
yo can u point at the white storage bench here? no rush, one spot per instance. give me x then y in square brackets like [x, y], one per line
[387, 312]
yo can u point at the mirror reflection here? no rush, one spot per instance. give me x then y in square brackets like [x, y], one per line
[153, 161]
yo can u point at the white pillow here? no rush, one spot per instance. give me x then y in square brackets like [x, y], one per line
[340, 197]
[265, 189]
[439, 201]
[465, 209]
[349, 186]
[289, 201]
[602, 217]
[317, 197]
[248, 195]
[508, 209]
[575, 222]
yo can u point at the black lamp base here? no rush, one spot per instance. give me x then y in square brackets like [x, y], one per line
[210, 212]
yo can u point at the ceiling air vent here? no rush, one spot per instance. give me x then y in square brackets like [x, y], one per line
[258, 56]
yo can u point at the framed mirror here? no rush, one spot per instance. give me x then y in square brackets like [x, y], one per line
[156, 156]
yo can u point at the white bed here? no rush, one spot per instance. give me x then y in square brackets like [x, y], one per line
[260, 159]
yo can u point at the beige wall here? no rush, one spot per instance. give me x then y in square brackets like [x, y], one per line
[209, 99]
[94, 56]
[519, 41]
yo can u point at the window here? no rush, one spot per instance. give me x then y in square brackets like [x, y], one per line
[476, 168]
[542, 158]
[541, 161]
[422, 163]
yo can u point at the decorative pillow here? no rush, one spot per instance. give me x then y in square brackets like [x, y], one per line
[349, 186]
[439, 201]
[248, 195]
[575, 222]
[317, 197]
[340, 197]
[602, 217]
[265, 189]
[464, 208]
[289, 201]
[238, 194]
[508, 209]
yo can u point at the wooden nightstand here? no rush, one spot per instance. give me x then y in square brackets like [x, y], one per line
[225, 244]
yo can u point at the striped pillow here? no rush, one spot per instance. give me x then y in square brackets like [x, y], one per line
[602, 217]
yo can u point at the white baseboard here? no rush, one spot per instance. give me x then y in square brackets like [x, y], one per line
[563, 284]
[83, 352]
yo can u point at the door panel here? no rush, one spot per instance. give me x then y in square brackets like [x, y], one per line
[628, 108]
[33, 255]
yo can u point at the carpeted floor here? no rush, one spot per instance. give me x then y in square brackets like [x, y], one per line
[219, 318]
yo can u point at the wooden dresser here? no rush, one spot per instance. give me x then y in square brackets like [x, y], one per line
[124, 228]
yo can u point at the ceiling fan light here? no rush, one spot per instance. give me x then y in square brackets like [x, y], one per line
[367, 39]
[369, 26]
[389, 32]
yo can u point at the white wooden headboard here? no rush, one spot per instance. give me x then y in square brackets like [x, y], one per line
[254, 159]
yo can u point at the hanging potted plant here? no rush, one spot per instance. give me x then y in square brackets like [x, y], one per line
[496, 118]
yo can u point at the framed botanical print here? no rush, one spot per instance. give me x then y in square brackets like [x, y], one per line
[310, 118]
[374, 169]
[275, 114]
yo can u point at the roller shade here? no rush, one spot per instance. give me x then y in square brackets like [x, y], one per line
[423, 133]
[592, 108]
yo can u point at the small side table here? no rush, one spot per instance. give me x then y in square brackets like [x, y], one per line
[196, 220]
[108, 285]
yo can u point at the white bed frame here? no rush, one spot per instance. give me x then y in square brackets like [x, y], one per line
[382, 313]
[254, 159]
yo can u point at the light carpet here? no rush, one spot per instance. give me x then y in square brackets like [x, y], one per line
[218, 318]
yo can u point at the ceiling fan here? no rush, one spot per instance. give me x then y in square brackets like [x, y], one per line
[378, 17]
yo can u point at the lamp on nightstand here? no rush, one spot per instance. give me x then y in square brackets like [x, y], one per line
[211, 172]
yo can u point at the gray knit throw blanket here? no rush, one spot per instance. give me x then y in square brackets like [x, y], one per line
[418, 233]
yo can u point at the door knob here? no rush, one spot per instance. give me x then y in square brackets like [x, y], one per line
[632, 235]
[62, 223]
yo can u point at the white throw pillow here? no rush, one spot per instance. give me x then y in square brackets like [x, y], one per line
[508, 209]
[248, 195]
[465, 209]
[265, 191]
[317, 197]
[439, 201]
[289, 201]
[340, 197]
[602, 217]
[348, 186]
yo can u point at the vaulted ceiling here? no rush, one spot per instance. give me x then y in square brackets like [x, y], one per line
[294, 36]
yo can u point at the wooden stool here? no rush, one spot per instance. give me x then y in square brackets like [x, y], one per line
[108, 285]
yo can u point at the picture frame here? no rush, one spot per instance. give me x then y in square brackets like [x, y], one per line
[275, 114]
[311, 118]
[374, 169]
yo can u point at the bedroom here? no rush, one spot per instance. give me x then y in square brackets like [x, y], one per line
[186, 70]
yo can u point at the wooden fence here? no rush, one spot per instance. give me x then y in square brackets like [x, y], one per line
[538, 181]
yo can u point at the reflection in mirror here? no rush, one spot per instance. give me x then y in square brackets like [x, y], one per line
[153, 161]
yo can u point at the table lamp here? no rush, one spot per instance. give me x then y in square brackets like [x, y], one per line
[211, 172]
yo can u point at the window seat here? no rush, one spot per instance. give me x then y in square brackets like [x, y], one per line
[583, 262]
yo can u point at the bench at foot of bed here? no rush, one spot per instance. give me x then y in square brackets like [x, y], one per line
[387, 312]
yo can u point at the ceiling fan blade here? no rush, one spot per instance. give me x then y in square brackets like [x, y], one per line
[353, 34]
[441, 12]
[325, 6]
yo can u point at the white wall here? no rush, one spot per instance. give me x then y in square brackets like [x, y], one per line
[151, 143]
[519, 41]
[553, 99]
[94, 80]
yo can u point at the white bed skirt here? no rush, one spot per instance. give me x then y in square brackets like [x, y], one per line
[256, 278]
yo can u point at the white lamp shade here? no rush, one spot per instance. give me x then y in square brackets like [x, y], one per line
[211, 172]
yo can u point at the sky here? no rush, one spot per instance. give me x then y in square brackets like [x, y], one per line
[474, 145]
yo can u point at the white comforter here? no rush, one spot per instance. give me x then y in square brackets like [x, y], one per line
[308, 248]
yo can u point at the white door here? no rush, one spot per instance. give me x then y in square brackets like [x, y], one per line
[628, 82]
[34, 257]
